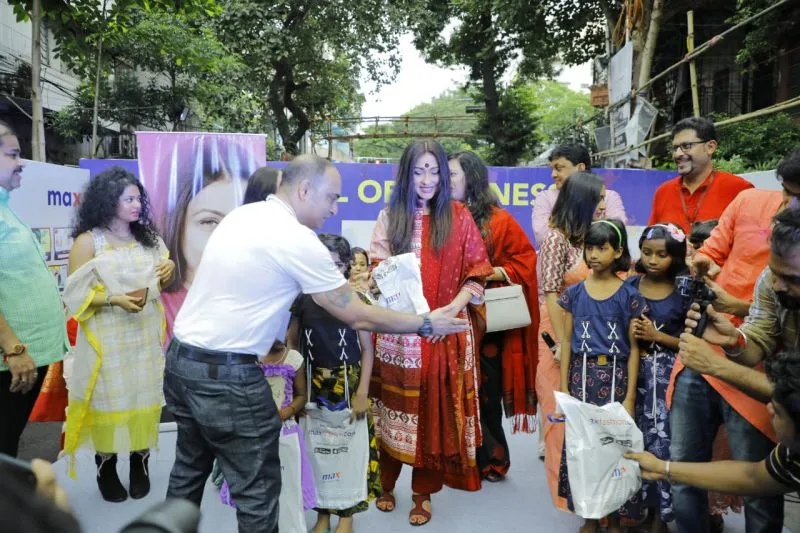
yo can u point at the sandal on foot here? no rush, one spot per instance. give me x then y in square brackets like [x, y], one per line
[386, 502]
[418, 511]
[494, 477]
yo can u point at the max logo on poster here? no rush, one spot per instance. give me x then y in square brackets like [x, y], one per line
[63, 198]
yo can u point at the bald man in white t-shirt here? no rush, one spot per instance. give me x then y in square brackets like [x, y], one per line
[257, 261]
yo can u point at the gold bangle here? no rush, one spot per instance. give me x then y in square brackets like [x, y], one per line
[669, 479]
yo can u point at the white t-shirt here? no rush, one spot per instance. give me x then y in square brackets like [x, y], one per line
[255, 264]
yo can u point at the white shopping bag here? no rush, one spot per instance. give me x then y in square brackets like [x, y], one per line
[400, 282]
[339, 454]
[291, 518]
[600, 478]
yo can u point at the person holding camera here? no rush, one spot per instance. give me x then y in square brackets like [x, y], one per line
[33, 331]
[778, 474]
[772, 323]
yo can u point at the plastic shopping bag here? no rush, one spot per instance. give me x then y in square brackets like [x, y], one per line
[339, 453]
[400, 282]
[600, 478]
[292, 517]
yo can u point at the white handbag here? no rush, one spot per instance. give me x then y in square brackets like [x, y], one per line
[506, 307]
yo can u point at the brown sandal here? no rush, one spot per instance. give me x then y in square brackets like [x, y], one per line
[387, 500]
[418, 511]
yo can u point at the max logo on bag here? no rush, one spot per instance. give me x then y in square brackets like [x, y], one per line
[333, 476]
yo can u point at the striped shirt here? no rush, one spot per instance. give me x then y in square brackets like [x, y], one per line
[784, 467]
[769, 325]
[29, 297]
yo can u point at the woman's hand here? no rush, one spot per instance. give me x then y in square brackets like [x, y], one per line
[497, 275]
[644, 329]
[129, 303]
[165, 270]
[359, 407]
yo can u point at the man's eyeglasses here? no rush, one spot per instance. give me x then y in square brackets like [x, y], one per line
[686, 147]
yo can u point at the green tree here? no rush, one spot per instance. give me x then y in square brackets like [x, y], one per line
[558, 110]
[491, 39]
[304, 58]
[760, 143]
[178, 65]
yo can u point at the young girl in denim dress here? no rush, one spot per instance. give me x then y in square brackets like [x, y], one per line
[601, 363]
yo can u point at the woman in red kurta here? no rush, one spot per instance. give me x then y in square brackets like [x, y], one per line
[508, 359]
[426, 389]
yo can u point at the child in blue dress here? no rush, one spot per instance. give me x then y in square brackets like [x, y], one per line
[663, 258]
[601, 363]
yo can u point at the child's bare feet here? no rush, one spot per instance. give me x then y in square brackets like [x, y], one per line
[323, 524]
[345, 525]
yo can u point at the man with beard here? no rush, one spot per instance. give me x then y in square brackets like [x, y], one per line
[700, 192]
[697, 411]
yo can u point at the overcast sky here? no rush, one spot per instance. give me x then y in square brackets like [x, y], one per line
[419, 82]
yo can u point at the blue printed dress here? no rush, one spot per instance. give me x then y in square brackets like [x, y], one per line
[652, 416]
[598, 370]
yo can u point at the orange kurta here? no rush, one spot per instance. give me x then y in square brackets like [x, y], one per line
[740, 245]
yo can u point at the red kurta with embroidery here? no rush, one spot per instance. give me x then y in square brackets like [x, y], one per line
[426, 395]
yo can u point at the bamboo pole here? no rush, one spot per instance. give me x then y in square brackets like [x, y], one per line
[788, 104]
[692, 65]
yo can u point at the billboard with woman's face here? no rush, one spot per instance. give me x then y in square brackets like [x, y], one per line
[193, 180]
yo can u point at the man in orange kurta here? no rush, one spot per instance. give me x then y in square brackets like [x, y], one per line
[735, 254]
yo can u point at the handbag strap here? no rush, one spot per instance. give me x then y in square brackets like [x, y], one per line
[505, 275]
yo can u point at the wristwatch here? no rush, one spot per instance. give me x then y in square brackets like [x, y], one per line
[426, 329]
[16, 349]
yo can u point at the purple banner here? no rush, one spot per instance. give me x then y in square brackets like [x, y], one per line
[367, 187]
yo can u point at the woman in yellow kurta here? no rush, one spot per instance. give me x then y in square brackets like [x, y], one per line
[117, 265]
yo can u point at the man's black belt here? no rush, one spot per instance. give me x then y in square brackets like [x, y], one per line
[213, 357]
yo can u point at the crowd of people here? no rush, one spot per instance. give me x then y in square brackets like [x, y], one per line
[266, 325]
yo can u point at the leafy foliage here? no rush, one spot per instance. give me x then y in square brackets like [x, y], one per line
[178, 65]
[557, 109]
[759, 143]
[764, 38]
[304, 58]
[491, 39]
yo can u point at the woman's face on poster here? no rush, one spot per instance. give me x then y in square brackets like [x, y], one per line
[203, 214]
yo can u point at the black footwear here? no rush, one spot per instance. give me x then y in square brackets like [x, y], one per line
[140, 474]
[107, 479]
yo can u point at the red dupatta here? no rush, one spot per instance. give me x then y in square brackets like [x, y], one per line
[511, 249]
[448, 404]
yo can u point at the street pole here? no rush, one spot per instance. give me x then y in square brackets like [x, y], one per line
[37, 121]
[692, 65]
[98, 71]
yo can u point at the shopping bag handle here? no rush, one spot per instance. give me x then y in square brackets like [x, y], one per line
[556, 418]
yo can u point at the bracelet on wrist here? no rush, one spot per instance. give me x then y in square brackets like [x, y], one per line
[666, 468]
[108, 300]
[738, 348]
